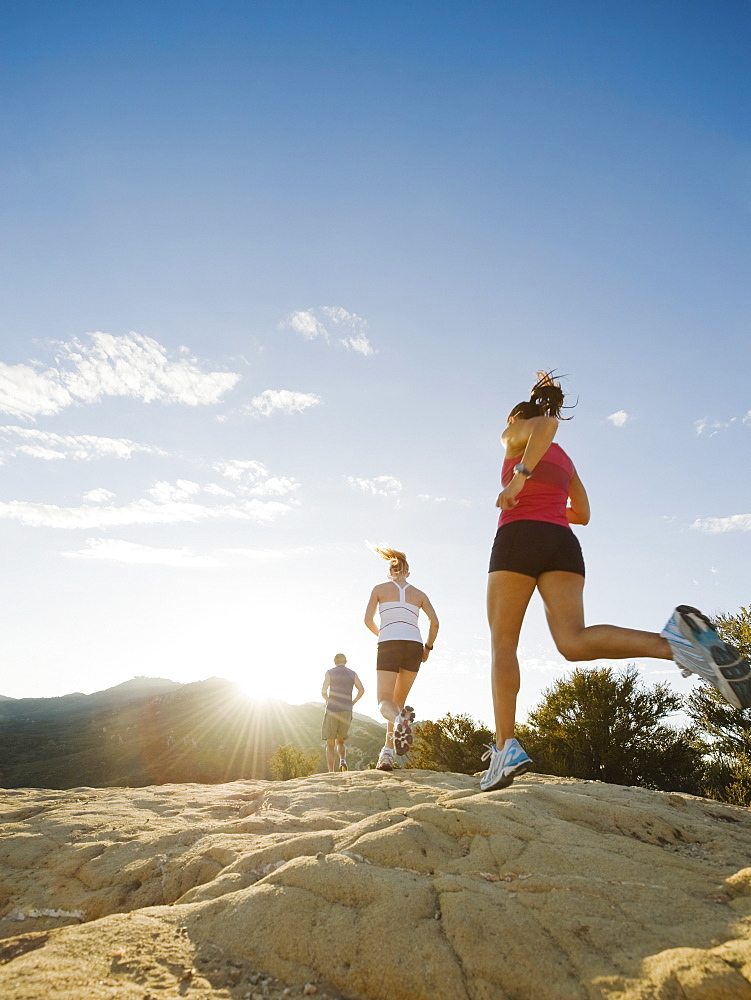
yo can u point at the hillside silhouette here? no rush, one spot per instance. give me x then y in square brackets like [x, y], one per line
[151, 731]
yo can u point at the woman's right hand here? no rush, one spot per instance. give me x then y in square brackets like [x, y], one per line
[507, 498]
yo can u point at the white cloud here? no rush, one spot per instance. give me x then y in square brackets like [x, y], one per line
[254, 480]
[98, 496]
[275, 486]
[256, 496]
[716, 525]
[218, 491]
[183, 489]
[332, 324]
[360, 343]
[35, 451]
[282, 400]
[619, 418]
[82, 447]
[27, 393]
[307, 325]
[134, 554]
[105, 365]
[713, 427]
[239, 469]
[143, 511]
[384, 486]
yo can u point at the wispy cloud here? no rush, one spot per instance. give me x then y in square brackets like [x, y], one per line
[384, 486]
[253, 479]
[619, 418]
[716, 525]
[98, 496]
[334, 325]
[104, 365]
[256, 496]
[82, 447]
[144, 511]
[164, 492]
[118, 550]
[713, 426]
[281, 401]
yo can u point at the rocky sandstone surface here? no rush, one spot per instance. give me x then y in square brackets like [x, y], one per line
[374, 886]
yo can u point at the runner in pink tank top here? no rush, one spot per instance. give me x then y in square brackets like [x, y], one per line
[535, 549]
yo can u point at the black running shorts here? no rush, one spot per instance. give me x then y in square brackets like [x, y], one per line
[399, 654]
[536, 547]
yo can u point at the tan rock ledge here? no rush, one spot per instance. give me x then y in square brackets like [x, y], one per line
[405, 886]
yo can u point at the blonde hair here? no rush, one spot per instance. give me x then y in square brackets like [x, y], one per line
[340, 658]
[397, 559]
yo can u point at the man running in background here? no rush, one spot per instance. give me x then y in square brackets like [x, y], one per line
[337, 693]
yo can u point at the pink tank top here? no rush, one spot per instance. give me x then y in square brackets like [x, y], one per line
[545, 494]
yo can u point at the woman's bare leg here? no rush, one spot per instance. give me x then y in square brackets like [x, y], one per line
[404, 683]
[508, 597]
[393, 689]
[562, 594]
[386, 685]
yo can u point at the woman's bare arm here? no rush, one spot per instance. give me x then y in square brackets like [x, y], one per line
[370, 611]
[578, 510]
[536, 436]
[429, 610]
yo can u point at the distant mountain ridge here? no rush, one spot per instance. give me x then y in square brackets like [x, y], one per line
[132, 690]
[152, 730]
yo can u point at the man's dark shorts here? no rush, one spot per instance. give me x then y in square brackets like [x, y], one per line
[336, 725]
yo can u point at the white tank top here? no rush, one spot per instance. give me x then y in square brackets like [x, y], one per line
[399, 619]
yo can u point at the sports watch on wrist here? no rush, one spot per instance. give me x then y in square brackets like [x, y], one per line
[523, 470]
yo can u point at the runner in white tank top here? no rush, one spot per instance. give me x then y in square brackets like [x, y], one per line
[400, 650]
[399, 618]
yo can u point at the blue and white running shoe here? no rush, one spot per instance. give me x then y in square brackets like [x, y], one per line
[504, 765]
[698, 649]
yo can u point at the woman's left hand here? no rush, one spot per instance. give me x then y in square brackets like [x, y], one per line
[507, 499]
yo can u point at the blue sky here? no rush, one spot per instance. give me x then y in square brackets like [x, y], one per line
[274, 275]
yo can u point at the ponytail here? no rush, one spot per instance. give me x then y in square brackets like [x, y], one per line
[398, 560]
[545, 400]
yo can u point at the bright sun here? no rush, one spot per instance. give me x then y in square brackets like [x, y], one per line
[261, 687]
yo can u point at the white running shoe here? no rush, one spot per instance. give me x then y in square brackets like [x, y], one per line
[385, 760]
[698, 649]
[504, 765]
[403, 737]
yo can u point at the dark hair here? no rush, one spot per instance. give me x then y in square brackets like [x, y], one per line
[545, 400]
